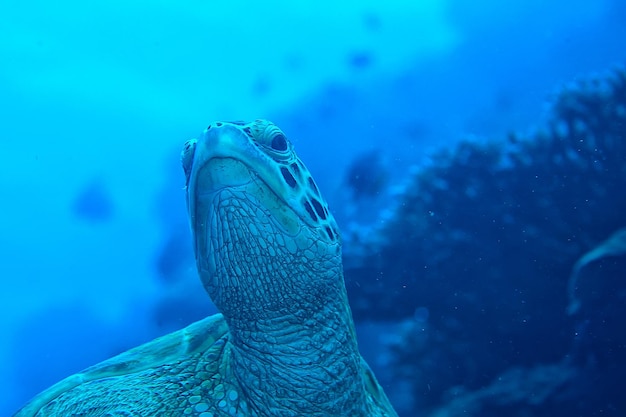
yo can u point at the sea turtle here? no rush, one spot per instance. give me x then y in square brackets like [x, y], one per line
[268, 252]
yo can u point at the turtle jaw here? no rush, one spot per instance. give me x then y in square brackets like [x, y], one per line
[215, 178]
[235, 235]
[224, 158]
[256, 246]
[232, 202]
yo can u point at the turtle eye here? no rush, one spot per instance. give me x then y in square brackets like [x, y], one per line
[279, 143]
[271, 139]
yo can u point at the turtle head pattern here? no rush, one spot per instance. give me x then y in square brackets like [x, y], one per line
[265, 241]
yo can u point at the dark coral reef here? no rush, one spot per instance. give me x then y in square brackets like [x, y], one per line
[485, 239]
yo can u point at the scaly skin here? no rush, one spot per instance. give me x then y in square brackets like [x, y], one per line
[269, 254]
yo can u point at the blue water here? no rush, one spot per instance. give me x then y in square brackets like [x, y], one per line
[97, 98]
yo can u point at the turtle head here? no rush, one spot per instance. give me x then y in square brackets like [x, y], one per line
[265, 243]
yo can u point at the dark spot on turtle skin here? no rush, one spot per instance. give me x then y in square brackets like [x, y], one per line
[218, 124]
[248, 131]
[288, 177]
[296, 169]
[279, 142]
[194, 343]
[318, 209]
[313, 186]
[330, 233]
[371, 381]
[119, 367]
[309, 210]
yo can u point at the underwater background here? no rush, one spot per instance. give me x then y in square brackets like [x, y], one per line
[472, 152]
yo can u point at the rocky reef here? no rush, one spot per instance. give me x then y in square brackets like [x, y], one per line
[482, 253]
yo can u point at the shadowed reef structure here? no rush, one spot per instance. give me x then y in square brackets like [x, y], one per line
[490, 240]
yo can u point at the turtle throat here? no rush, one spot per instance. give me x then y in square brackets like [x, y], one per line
[283, 297]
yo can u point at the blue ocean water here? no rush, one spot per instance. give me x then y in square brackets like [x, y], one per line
[389, 105]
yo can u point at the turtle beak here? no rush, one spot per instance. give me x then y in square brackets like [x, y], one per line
[186, 158]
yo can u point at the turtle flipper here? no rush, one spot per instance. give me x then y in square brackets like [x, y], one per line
[381, 405]
[134, 380]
